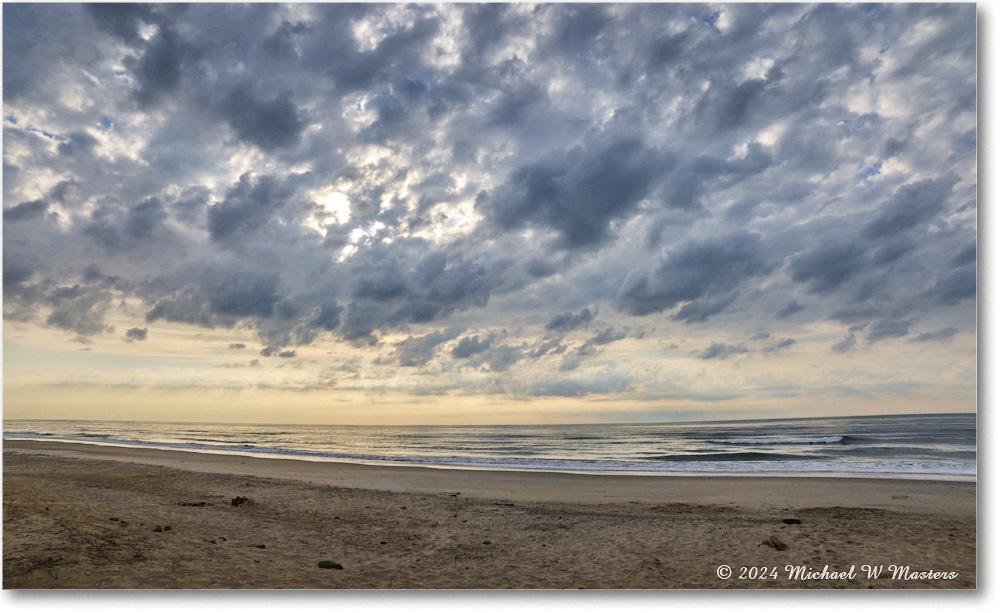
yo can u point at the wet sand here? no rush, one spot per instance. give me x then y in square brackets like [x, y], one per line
[89, 516]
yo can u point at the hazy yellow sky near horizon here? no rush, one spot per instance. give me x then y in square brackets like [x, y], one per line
[195, 376]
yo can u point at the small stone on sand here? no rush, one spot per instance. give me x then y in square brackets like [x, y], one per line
[330, 564]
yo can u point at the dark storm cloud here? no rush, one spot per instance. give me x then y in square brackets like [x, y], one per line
[892, 147]
[698, 312]
[281, 44]
[471, 345]
[122, 19]
[577, 194]
[247, 206]
[910, 205]
[144, 218]
[409, 283]
[246, 295]
[729, 106]
[158, 71]
[267, 124]
[336, 55]
[220, 297]
[77, 143]
[954, 287]
[14, 274]
[828, 266]
[893, 249]
[26, 210]
[138, 334]
[139, 228]
[329, 316]
[487, 26]
[700, 270]
[569, 321]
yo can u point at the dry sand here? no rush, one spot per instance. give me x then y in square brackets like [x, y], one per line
[88, 516]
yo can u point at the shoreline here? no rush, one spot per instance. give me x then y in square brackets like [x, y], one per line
[304, 457]
[947, 497]
[89, 516]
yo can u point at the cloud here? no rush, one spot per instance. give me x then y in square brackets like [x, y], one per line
[343, 175]
[471, 345]
[418, 351]
[329, 316]
[158, 72]
[827, 267]
[247, 206]
[966, 256]
[281, 44]
[138, 334]
[501, 357]
[697, 270]
[76, 143]
[888, 328]
[910, 205]
[605, 337]
[846, 344]
[721, 351]
[221, 297]
[26, 210]
[944, 334]
[79, 308]
[577, 388]
[578, 193]
[781, 344]
[790, 309]
[954, 287]
[266, 124]
[568, 321]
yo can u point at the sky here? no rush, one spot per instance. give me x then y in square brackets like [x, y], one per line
[466, 213]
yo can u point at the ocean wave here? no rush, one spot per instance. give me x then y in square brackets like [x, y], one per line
[818, 440]
[741, 456]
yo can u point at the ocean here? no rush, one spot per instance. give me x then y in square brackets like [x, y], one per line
[912, 446]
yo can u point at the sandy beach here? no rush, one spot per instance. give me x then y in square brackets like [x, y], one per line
[88, 516]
